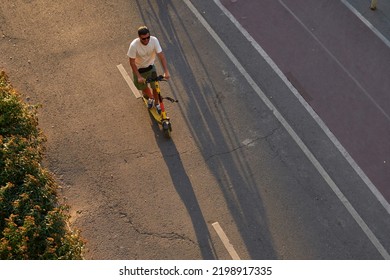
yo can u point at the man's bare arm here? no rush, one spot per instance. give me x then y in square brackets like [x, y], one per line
[164, 64]
[135, 70]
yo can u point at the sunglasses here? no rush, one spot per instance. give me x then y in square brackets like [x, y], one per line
[146, 38]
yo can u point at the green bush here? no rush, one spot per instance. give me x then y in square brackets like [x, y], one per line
[33, 225]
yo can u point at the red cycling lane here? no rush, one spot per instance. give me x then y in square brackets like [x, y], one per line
[339, 66]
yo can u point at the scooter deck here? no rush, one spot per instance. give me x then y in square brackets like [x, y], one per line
[153, 111]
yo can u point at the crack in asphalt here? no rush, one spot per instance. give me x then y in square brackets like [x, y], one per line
[164, 235]
[261, 138]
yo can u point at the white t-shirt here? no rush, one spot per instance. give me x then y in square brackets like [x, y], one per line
[144, 55]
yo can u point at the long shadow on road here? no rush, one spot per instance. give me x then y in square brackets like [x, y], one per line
[184, 188]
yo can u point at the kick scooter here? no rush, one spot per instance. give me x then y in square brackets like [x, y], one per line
[162, 118]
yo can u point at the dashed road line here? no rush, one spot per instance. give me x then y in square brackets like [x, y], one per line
[225, 240]
[129, 81]
[370, 235]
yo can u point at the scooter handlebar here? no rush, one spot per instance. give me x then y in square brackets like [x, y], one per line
[156, 79]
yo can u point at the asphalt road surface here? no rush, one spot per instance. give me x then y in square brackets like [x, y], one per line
[247, 163]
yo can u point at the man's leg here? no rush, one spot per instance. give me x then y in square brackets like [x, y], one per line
[155, 95]
[148, 93]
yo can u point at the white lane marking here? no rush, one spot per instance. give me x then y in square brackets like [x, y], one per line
[129, 81]
[366, 22]
[225, 240]
[287, 126]
[314, 115]
[359, 85]
[354, 165]
[374, 189]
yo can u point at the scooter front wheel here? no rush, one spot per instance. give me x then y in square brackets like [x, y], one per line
[167, 128]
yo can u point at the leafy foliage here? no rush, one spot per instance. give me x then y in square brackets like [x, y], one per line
[33, 225]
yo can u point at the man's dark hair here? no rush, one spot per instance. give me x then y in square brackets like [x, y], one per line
[143, 30]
